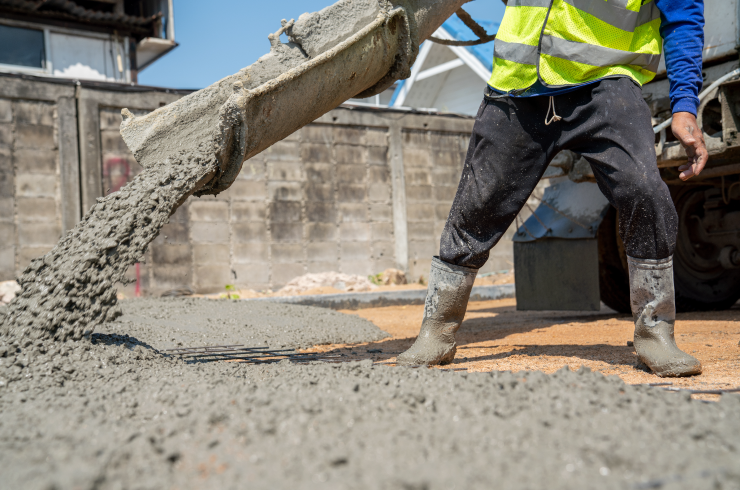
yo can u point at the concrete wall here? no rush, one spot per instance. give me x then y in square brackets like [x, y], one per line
[357, 191]
[38, 170]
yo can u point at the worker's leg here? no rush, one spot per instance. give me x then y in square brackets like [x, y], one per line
[509, 151]
[611, 128]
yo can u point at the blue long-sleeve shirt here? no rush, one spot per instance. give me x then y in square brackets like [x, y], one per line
[682, 29]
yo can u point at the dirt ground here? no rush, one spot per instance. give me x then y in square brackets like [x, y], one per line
[496, 337]
[486, 280]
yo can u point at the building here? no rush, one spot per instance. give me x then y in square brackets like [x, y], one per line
[102, 40]
[448, 78]
[66, 69]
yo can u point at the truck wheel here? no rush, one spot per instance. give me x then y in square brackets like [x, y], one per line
[613, 272]
[702, 282]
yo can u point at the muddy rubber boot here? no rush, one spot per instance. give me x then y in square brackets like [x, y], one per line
[654, 310]
[444, 309]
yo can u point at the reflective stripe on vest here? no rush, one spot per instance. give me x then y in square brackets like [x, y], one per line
[518, 53]
[568, 42]
[615, 15]
[529, 3]
[596, 55]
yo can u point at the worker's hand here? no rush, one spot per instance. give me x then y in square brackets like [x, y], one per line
[691, 137]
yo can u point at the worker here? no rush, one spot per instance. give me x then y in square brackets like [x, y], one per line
[567, 76]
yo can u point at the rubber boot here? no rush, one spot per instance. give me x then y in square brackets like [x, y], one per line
[444, 310]
[654, 310]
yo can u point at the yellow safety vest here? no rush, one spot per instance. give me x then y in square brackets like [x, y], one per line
[569, 42]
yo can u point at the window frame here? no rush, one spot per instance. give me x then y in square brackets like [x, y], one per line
[47, 68]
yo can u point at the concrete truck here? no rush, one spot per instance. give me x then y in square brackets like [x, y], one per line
[568, 254]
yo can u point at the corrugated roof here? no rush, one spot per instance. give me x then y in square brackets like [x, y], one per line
[70, 10]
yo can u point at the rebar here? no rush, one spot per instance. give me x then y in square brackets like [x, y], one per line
[242, 353]
[704, 392]
[667, 386]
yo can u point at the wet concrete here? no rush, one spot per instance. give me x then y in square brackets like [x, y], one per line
[69, 291]
[190, 322]
[113, 413]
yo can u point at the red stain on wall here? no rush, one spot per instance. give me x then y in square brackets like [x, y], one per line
[116, 173]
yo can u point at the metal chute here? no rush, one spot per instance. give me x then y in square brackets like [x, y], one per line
[354, 48]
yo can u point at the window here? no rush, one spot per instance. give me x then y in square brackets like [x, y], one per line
[23, 47]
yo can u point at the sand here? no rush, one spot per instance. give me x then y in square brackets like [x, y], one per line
[497, 337]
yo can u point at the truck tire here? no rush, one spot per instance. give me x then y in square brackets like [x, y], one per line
[702, 283]
[613, 272]
[696, 289]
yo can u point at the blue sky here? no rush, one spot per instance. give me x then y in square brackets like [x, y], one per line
[219, 37]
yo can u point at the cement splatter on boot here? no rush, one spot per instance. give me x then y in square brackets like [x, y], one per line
[654, 310]
[444, 310]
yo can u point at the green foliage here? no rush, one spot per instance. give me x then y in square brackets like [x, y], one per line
[376, 279]
[229, 294]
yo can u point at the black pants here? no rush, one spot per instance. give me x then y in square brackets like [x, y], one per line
[608, 123]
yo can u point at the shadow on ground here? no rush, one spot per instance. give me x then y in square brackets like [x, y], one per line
[123, 340]
[494, 328]
[617, 355]
[486, 325]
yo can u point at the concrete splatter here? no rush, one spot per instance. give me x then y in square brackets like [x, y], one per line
[174, 322]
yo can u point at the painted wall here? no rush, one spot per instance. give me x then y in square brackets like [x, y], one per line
[461, 91]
